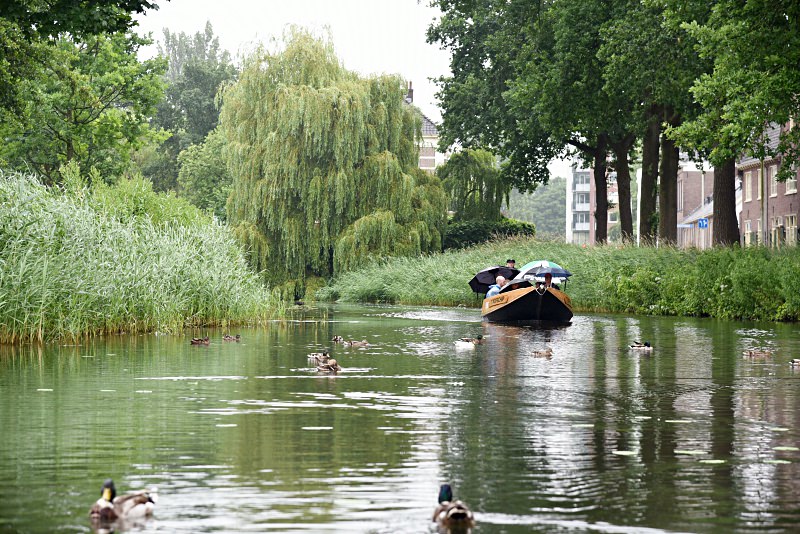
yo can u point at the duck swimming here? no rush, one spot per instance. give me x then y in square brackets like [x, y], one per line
[331, 367]
[757, 353]
[337, 339]
[641, 347]
[200, 341]
[109, 507]
[544, 353]
[319, 357]
[237, 338]
[362, 343]
[469, 342]
[450, 514]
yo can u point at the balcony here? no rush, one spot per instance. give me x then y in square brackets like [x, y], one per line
[581, 187]
[580, 207]
[580, 227]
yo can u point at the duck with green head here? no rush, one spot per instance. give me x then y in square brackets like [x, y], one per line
[110, 507]
[452, 515]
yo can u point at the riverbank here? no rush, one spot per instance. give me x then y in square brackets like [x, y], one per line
[752, 283]
[79, 262]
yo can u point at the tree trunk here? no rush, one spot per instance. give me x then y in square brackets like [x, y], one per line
[600, 191]
[726, 222]
[647, 197]
[668, 193]
[621, 150]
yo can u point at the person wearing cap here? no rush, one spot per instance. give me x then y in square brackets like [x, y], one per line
[511, 264]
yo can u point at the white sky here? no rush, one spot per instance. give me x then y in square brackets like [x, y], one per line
[369, 36]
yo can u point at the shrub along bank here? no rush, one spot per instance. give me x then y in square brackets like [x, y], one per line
[113, 259]
[731, 283]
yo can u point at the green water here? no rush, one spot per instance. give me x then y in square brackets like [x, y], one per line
[245, 437]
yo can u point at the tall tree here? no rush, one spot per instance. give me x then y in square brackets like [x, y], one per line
[27, 23]
[204, 177]
[88, 103]
[472, 180]
[324, 165]
[197, 69]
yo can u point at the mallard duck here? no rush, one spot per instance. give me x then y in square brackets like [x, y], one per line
[543, 353]
[469, 342]
[237, 338]
[200, 341]
[641, 347]
[110, 508]
[319, 357]
[756, 353]
[331, 366]
[362, 343]
[450, 514]
[795, 362]
[337, 339]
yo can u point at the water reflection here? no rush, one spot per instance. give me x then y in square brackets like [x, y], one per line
[246, 436]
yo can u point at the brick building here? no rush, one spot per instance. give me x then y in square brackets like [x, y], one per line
[429, 157]
[769, 208]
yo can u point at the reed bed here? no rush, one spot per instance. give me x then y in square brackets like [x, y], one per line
[732, 283]
[69, 269]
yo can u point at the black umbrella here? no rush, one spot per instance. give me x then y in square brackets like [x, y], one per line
[483, 279]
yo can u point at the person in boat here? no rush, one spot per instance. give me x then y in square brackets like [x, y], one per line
[511, 264]
[548, 282]
[495, 288]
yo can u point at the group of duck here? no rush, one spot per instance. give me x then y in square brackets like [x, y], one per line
[471, 342]
[323, 361]
[112, 510]
[207, 341]
[763, 354]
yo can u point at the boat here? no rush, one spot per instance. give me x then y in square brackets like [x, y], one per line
[527, 300]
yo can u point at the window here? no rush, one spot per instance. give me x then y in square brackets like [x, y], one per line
[760, 179]
[748, 186]
[747, 233]
[680, 195]
[759, 239]
[791, 229]
[613, 216]
[791, 184]
[773, 182]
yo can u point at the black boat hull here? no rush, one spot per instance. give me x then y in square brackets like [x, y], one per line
[528, 305]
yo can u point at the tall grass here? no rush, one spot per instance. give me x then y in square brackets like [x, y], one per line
[70, 268]
[751, 283]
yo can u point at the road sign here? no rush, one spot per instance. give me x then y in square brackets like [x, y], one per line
[702, 222]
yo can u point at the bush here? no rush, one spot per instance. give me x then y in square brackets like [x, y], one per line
[467, 233]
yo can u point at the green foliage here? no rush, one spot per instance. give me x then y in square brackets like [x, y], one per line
[27, 25]
[545, 207]
[731, 283]
[204, 177]
[472, 179]
[462, 234]
[753, 82]
[324, 165]
[88, 102]
[70, 270]
[197, 69]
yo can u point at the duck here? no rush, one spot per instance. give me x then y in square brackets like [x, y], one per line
[795, 362]
[469, 342]
[331, 366]
[200, 341]
[337, 339]
[642, 347]
[757, 353]
[237, 338]
[131, 506]
[452, 515]
[543, 353]
[362, 343]
[319, 357]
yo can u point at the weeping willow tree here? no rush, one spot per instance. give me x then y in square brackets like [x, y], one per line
[324, 165]
[474, 185]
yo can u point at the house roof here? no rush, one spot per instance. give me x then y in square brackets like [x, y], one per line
[707, 210]
[429, 129]
[772, 133]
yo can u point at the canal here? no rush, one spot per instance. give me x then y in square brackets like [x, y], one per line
[247, 437]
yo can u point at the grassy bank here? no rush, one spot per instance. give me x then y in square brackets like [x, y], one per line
[752, 283]
[115, 259]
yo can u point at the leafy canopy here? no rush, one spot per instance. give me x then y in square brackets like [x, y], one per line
[324, 164]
